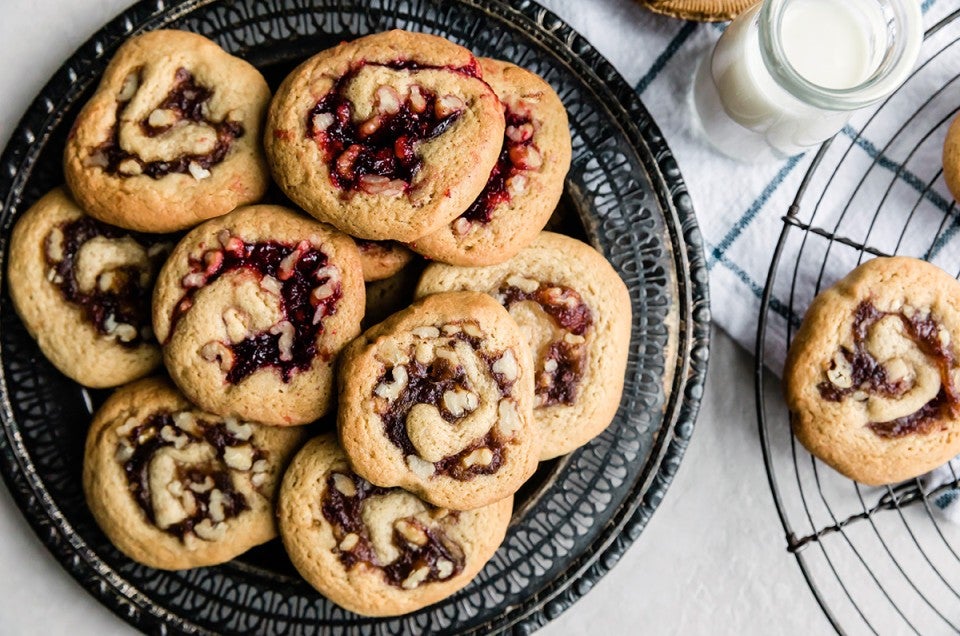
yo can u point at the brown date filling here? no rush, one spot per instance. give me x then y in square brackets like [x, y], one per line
[308, 289]
[426, 384]
[379, 155]
[869, 376]
[423, 547]
[565, 361]
[204, 482]
[186, 100]
[119, 304]
[517, 154]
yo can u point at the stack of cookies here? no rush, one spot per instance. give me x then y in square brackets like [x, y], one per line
[509, 349]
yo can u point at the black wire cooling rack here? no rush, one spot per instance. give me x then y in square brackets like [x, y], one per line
[878, 560]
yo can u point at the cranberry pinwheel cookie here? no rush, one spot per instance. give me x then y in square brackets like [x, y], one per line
[252, 309]
[378, 551]
[872, 376]
[173, 487]
[171, 136]
[524, 186]
[437, 400]
[575, 314]
[83, 290]
[389, 136]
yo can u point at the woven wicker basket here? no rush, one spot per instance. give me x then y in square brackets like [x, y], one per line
[699, 10]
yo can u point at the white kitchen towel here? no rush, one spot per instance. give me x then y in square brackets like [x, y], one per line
[740, 207]
[946, 500]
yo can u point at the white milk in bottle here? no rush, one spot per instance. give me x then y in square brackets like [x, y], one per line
[788, 74]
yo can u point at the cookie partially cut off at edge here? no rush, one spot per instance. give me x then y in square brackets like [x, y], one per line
[872, 377]
[699, 10]
[378, 551]
[951, 158]
[575, 313]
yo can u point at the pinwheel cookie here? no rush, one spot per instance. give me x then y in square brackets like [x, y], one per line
[386, 137]
[378, 551]
[171, 137]
[525, 184]
[872, 377]
[437, 400]
[575, 314]
[83, 291]
[175, 488]
[252, 309]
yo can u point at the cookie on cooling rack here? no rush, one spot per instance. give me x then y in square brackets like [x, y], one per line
[378, 551]
[252, 309]
[83, 289]
[171, 136]
[951, 158]
[575, 314]
[872, 376]
[386, 137]
[382, 259]
[524, 186]
[438, 400]
[175, 488]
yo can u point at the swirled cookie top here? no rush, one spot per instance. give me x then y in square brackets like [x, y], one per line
[307, 287]
[391, 530]
[562, 361]
[446, 401]
[183, 470]
[900, 364]
[179, 134]
[108, 273]
[377, 152]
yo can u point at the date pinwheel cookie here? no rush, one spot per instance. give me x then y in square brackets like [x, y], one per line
[525, 184]
[382, 259]
[389, 136]
[173, 487]
[872, 377]
[575, 314]
[171, 136]
[378, 551]
[83, 290]
[252, 309]
[437, 399]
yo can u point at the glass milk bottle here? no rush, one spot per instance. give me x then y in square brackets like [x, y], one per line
[788, 74]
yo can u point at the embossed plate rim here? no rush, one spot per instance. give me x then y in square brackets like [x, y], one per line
[680, 409]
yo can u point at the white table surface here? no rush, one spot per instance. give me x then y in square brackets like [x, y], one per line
[712, 559]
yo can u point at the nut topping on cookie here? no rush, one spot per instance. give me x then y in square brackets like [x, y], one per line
[415, 551]
[290, 272]
[107, 272]
[900, 364]
[184, 480]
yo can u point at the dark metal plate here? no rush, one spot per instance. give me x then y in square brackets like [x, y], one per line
[578, 516]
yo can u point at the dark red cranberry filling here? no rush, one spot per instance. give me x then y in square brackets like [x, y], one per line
[127, 301]
[565, 306]
[345, 516]
[297, 303]
[146, 441]
[426, 384]
[353, 151]
[186, 99]
[568, 310]
[870, 376]
[495, 193]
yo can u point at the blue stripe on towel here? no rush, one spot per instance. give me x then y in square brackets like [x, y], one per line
[658, 64]
[747, 217]
[777, 306]
[947, 498]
